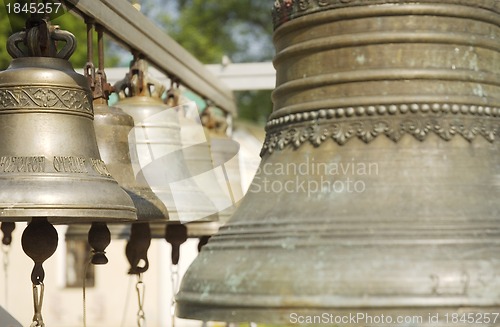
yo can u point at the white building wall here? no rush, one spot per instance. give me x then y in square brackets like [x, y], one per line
[113, 300]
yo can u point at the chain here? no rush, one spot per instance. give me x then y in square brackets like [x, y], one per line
[141, 290]
[37, 304]
[174, 279]
[6, 250]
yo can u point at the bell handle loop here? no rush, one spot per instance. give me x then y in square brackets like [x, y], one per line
[155, 87]
[89, 72]
[13, 45]
[70, 46]
[58, 35]
[173, 93]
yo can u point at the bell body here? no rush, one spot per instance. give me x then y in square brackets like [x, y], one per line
[161, 163]
[49, 161]
[112, 127]
[378, 189]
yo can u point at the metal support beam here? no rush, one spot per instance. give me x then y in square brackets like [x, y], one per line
[135, 31]
[238, 77]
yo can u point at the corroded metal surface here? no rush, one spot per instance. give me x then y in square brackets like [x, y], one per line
[378, 190]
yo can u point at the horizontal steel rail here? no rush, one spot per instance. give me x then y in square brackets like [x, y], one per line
[132, 29]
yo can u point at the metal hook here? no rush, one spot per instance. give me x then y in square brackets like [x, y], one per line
[140, 287]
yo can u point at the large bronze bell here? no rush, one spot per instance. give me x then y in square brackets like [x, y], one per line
[49, 161]
[378, 189]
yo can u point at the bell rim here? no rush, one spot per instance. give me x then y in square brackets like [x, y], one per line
[284, 314]
[66, 216]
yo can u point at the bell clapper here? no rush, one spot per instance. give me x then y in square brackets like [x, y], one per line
[137, 248]
[203, 240]
[176, 235]
[137, 253]
[39, 242]
[99, 239]
[7, 229]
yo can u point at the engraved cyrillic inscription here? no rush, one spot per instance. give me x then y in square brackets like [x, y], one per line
[100, 167]
[10, 164]
[70, 165]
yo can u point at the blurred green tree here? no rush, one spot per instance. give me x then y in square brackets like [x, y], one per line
[239, 30]
[211, 29]
[11, 23]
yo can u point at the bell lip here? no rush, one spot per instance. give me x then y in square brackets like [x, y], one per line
[147, 211]
[64, 216]
[90, 207]
[261, 312]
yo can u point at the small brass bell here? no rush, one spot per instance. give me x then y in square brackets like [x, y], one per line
[198, 155]
[112, 127]
[160, 162]
[377, 194]
[50, 164]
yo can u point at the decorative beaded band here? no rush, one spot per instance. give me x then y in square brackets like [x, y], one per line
[285, 10]
[381, 110]
[393, 121]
